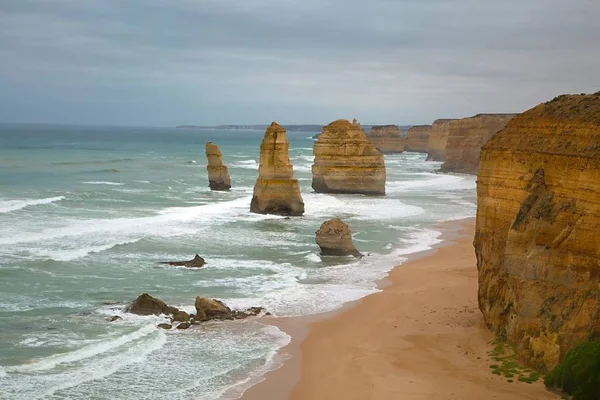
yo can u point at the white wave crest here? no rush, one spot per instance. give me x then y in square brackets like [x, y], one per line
[7, 206]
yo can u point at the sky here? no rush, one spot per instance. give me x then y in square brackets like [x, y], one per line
[209, 62]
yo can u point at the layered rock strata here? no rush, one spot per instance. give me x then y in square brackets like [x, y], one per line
[418, 138]
[538, 219]
[346, 162]
[438, 138]
[218, 174]
[334, 237]
[466, 136]
[276, 191]
[387, 139]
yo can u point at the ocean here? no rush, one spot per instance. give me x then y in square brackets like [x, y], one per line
[87, 213]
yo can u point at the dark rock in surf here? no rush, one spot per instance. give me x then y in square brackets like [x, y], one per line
[165, 326]
[183, 325]
[181, 316]
[148, 305]
[196, 262]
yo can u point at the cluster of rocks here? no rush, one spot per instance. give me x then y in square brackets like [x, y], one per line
[206, 310]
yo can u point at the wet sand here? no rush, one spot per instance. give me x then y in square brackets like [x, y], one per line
[422, 337]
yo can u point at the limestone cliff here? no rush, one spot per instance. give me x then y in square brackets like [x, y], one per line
[538, 221]
[438, 137]
[218, 174]
[465, 138]
[418, 138]
[276, 191]
[387, 139]
[346, 162]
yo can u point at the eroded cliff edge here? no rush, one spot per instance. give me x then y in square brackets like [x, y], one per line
[387, 139]
[438, 138]
[466, 136]
[537, 233]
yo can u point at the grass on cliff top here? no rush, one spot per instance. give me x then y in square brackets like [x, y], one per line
[581, 108]
[579, 373]
[506, 364]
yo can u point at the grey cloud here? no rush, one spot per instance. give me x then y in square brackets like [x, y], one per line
[228, 61]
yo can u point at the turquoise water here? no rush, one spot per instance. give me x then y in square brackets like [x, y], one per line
[88, 212]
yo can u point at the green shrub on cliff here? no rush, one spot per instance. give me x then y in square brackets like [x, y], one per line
[579, 373]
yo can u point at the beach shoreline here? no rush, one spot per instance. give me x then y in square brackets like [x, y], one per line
[421, 337]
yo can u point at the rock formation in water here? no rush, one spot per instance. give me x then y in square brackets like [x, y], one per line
[276, 191]
[334, 237]
[346, 162]
[148, 305]
[418, 138]
[387, 139]
[465, 138]
[538, 222]
[196, 262]
[438, 137]
[212, 309]
[218, 174]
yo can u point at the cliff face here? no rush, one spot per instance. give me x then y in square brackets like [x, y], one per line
[538, 221]
[218, 175]
[438, 137]
[465, 138]
[276, 191]
[418, 138]
[387, 139]
[346, 162]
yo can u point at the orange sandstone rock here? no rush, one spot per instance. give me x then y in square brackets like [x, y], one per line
[387, 139]
[538, 221]
[438, 137]
[465, 138]
[276, 191]
[418, 138]
[346, 162]
[218, 174]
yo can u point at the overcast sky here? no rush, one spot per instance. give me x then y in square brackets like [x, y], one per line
[170, 62]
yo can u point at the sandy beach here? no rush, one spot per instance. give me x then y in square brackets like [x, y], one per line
[422, 337]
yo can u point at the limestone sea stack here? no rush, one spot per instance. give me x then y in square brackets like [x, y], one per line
[418, 138]
[438, 137]
[218, 175]
[276, 191]
[334, 237]
[387, 139]
[537, 232]
[346, 162]
[465, 138]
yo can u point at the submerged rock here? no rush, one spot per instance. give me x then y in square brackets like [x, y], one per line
[334, 237]
[183, 325]
[115, 318]
[165, 326]
[346, 162]
[196, 262]
[148, 305]
[218, 174]
[181, 316]
[276, 191]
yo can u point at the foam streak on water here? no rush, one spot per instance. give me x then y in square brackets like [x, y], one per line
[75, 236]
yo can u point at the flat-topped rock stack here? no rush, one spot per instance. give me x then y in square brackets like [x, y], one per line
[347, 162]
[466, 136]
[218, 174]
[387, 139]
[438, 137]
[276, 191]
[418, 138]
[538, 219]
